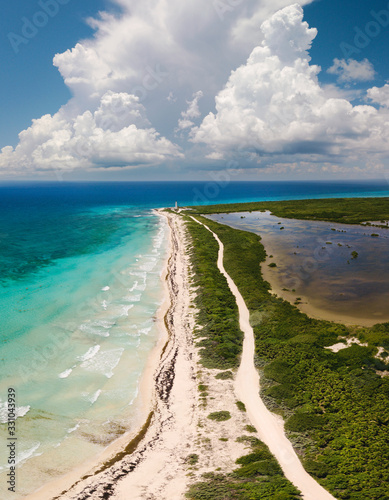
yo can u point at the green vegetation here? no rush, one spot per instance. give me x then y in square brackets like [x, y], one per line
[273, 264]
[203, 394]
[192, 459]
[259, 477]
[335, 404]
[220, 416]
[354, 254]
[225, 375]
[252, 441]
[250, 428]
[221, 337]
[344, 210]
[241, 406]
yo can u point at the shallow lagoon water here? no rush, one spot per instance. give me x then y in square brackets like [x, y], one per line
[75, 338]
[315, 259]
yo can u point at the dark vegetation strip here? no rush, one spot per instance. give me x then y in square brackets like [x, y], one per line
[336, 405]
[130, 448]
[221, 337]
[259, 475]
[342, 210]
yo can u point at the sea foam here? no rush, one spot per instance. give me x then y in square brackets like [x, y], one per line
[92, 351]
[104, 362]
[21, 411]
[66, 373]
[27, 454]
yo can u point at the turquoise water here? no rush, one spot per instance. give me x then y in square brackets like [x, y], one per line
[80, 268]
[75, 336]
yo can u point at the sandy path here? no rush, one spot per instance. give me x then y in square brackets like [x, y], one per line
[270, 427]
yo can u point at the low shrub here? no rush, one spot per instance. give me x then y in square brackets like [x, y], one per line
[220, 416]
[225, 375]
[241, 406]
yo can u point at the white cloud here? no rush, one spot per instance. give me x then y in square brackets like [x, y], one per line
[171, 97]
[110, 137]
[131, 81]
[274, 103]
[152, 50]
[287, 36]
[195, 42]
[379, 95]
[184, 123]
[192, 112]
[352, 70]
[193, 106]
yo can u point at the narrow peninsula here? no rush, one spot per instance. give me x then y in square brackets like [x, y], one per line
[249, 396]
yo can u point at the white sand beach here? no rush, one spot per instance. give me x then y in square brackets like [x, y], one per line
[158, 465]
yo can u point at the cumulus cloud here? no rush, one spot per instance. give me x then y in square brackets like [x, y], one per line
[379, 95]
[274, 103]
[113, 136]
[352, 70]
[160, 52]
[192, 112]
[195, 43]
[131, 82]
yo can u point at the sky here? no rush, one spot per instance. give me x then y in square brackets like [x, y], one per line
[194, 89]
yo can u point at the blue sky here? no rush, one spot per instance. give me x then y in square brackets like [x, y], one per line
[30, 85]
[151, 90]
[336, 22]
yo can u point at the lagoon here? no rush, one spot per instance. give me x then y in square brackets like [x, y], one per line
[330, 270]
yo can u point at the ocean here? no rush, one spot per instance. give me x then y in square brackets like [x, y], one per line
[80, 282]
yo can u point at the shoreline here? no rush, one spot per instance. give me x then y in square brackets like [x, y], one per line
[132, 472]
[179, 428]
[119, 465]
[271, 276]
[144, 404]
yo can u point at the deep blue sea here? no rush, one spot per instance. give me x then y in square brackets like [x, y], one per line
[80, 269]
